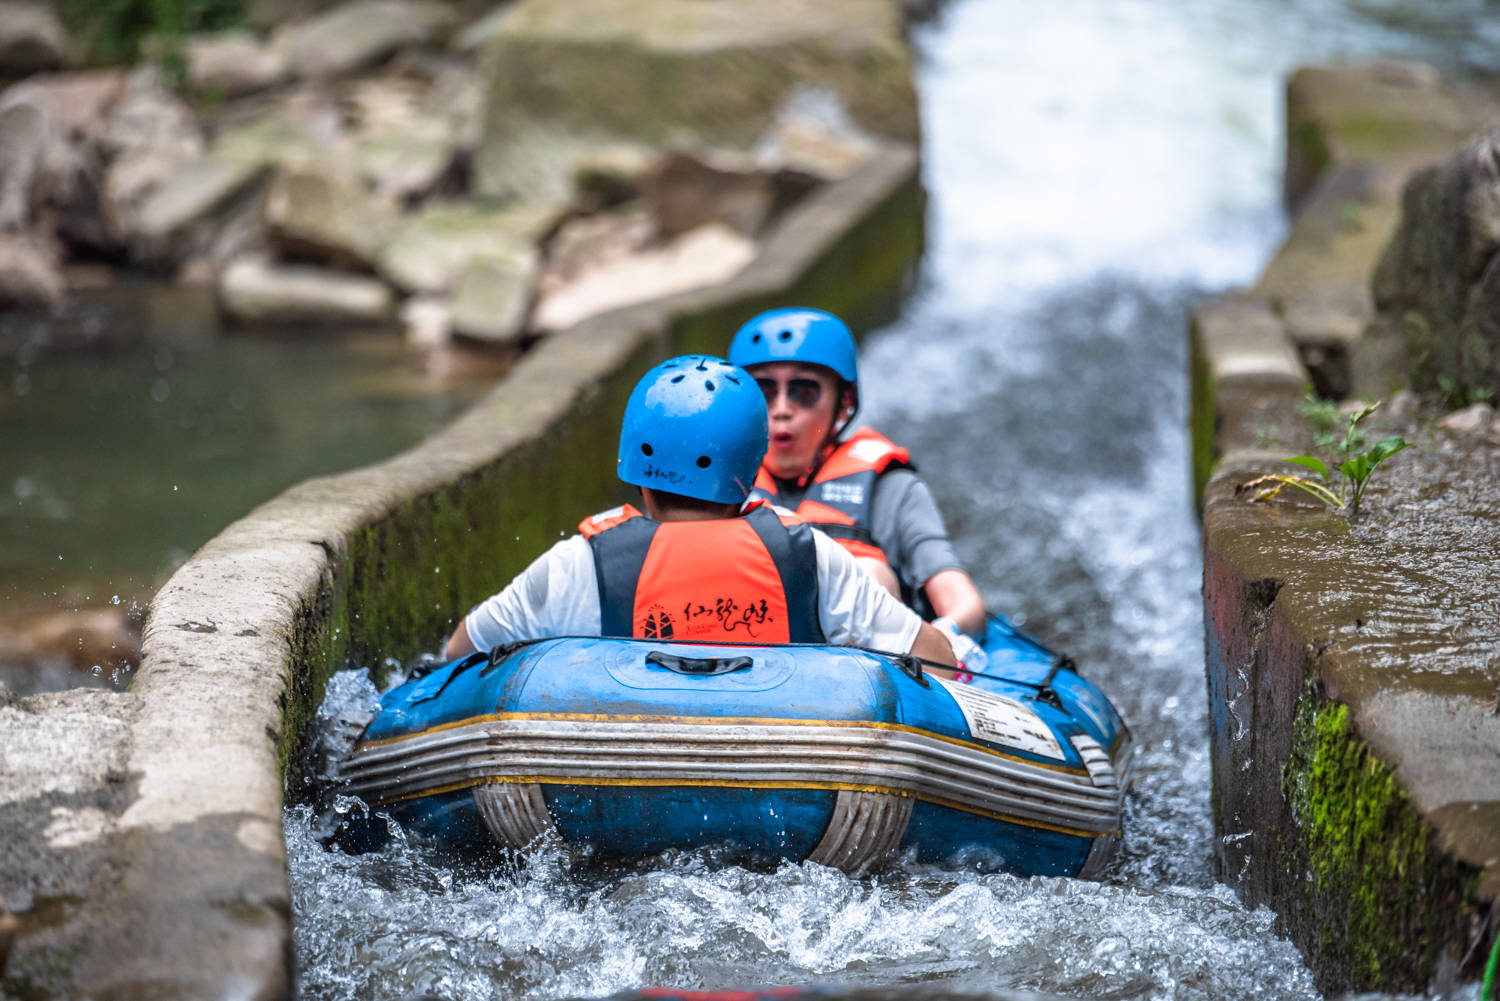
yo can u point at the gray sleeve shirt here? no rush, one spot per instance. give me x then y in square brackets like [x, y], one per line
[907, 526]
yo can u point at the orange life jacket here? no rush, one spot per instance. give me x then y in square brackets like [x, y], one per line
[838, 498]
[753, 578]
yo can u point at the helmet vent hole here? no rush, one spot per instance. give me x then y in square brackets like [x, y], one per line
[784, 336]
[677, 378]
[645, 449]
[709, 384]
[704, 461]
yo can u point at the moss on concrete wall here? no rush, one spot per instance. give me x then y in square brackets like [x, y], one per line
[1378, 898]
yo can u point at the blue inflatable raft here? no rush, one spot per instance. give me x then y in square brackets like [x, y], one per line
[829, 753]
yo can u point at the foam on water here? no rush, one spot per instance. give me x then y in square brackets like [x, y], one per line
[407, 923]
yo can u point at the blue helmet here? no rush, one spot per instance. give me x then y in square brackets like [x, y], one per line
[695, 425]
[809, 336]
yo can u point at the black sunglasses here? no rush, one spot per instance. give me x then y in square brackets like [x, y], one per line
[804, 393]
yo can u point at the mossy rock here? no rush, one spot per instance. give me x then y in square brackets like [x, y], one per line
[1396, 115]
[575, 73]
[430, 250]
[1438, 281]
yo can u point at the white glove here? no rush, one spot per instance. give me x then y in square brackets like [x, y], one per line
[969, 653]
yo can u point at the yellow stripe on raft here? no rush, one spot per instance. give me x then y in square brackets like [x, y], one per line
[725, 721]
[741, 784]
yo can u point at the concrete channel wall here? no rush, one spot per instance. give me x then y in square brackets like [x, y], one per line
[140, 834]
[1351, 662]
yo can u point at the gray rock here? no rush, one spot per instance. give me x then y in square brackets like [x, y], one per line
[149, 136]
[25, 137]
[493, 295]
[361, 33]
[302, 130]
[189, 199]
[407, 130]
[81, 101]
[565, 75]
[232, 64]
[32, 39]
[51, 171]
[253, 292]
[480, 33]
[318, 214]
[1438, 281]
[29, 273]
[813, 134]
[709, 255]
[430, 250]
[686, 191]
[1475, 419]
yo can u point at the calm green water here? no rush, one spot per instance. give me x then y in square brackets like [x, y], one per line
[122, 456]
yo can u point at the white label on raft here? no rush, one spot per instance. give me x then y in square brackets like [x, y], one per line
[1002, 720]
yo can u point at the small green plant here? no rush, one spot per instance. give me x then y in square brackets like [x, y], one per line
[1354, 463]
[1459, 395]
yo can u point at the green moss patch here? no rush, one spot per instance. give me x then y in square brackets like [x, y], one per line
[1381, 900]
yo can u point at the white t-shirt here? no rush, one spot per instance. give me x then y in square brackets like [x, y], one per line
[558, 595]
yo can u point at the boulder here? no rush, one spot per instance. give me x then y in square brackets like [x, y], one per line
[178, 218]
[29, 274]
[319, 214]
[686, 191]
[80, 101]
[814, 135]
[567, 75]
[429, 251]
[361, 33]
[407, 134]
[149, 136]
[51, 171]
[708, 255]
[32, 39]
[1438, 282]
[410, 162]
[232, 64]
[1399, 114]
[303, 130]
[610, 176]
[26, 141]
[256, 293]
[493, 295]
[583, 243]
[1474, 419]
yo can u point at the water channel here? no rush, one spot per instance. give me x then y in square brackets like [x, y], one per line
[1095, 167]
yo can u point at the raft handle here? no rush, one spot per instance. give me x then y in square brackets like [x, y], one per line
[911, 666]
[703, 666]
[1045, 692]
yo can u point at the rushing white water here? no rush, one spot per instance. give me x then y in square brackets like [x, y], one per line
[1094, 166]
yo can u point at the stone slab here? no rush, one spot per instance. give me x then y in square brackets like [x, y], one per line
[256, 293]
[359, 34]
[189, 198]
